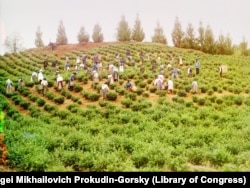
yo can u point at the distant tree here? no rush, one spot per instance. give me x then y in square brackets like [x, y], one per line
[38, 40]
[209, 42]
[82, 36]
[61, 35]
[137, 33]
[224, 45]
[159, 36]
[229, 45]
[97, 35]
[177, 34]
[201, 36]
[243, 47]
[189, 40]
[13, 43]
[221, 44]
[123, 31]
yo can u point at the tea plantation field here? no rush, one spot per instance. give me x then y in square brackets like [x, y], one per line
[143, 130]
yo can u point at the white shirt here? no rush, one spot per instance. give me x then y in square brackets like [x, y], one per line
[8, 82]
[161, 77]
[40, 76]
[105, 86]
[170, 84]
[194, 84]
[44, 82]
[59, 78]
[95, 75]
[156, 81]
[34, 74]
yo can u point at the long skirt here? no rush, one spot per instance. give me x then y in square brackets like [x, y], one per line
[9, 89]
[195, 89]
[104, 93]
[115, 76]
[59, 85]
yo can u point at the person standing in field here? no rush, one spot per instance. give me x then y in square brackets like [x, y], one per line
[40, 76]
[44, 84]
[67, 65]
[194, 88]
[110, 79]
[170, 86]
[220, 70]
[20, 83]
[180, 63]
[128, 85]
[158, 83]
[115, 74]
[128, 54]
[71, 81]
[33, 76]
[105, 89]
[197, 66]
[59, 81]
[189, 71]
[9, 86]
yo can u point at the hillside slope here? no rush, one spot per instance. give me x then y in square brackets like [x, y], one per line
[144, 130]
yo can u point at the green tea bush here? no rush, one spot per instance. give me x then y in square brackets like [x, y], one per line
[111, 95]
[238, 100]
[25, 105]
[102, 103]
[131, 96]
[35, 112]
[139, 91]
[152, 89]
[145, 94]
[182, 93]
[126, 102]
[196, 156]
[142, 84]
[218, 157]
[78, 88]
[59, 99]
[161, 93]
[195, 98]
[204, 89]
[219, 101]
[49, 108]
[40, 102]
[120, 90]
[201, 101]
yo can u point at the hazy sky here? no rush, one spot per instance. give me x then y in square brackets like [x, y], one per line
[24, 16]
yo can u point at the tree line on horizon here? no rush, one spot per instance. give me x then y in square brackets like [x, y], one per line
[205, 41]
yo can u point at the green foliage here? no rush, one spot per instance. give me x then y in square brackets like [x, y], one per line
[91, 96]
[83, 36]
[126, 102]
[40, 102]
[61, 37]
[38, 40]
[177, 33]
[59, 99]
[123, 30]
[138, 131]
[159, 36]
[97, 35]
[137, 33]
[112, 96]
